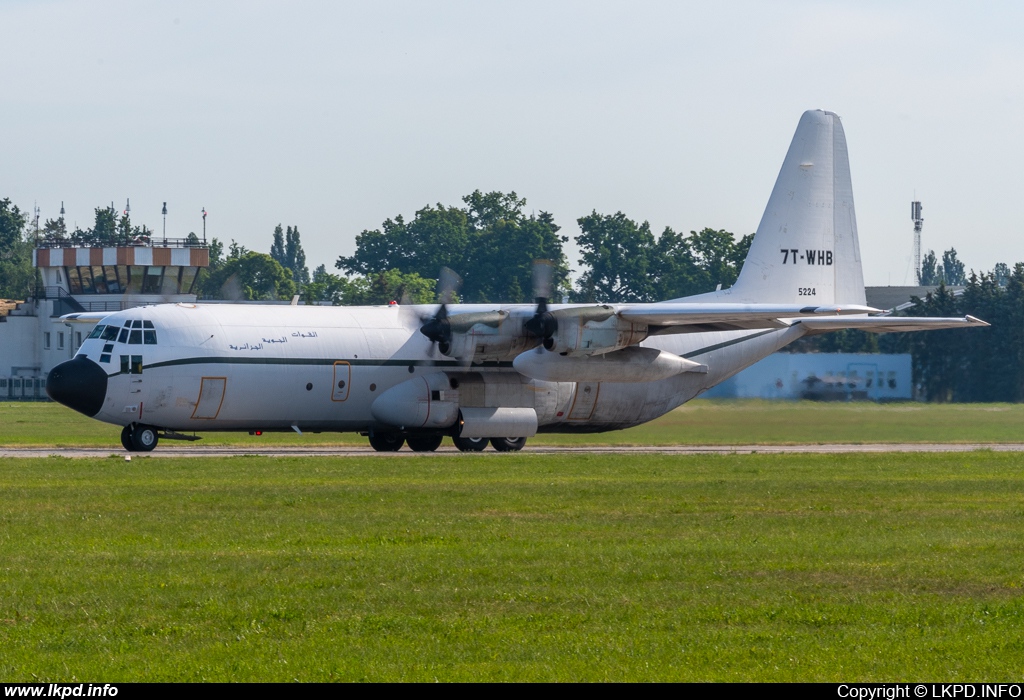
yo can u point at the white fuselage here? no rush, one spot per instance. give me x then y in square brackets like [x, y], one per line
[264, 367]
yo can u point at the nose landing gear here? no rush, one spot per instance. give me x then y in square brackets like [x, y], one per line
[139, 438]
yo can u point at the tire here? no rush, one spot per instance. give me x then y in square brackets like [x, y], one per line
[386, 442]
[470, 444]
[144, 438]
[126, 438]
[424, 443]
[508, 444]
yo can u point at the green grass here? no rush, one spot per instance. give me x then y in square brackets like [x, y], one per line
[698, 422]
[513, 567]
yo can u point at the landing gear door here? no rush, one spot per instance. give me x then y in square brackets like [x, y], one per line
[342, 379]
[585, 400]
[211, 397]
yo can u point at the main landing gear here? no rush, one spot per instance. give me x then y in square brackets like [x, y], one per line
[479, 444]
[392, 442]
[139, 438]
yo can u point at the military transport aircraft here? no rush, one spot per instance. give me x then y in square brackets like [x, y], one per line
[487, 373]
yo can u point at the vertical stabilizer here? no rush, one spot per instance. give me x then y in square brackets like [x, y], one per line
[806, 248]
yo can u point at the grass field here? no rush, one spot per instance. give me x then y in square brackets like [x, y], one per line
[698, 422]
[514, 567]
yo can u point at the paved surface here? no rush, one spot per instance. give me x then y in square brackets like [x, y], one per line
[165, 450]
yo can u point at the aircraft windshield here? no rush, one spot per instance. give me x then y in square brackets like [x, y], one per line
[134, 332]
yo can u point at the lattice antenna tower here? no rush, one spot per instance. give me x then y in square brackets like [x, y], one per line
[915, 215]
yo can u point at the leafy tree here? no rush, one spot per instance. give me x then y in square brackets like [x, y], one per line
[1001, 273]
[251, 276]
[326, 287]
[277, 247]
[104, 230]
[17, 277]
[236, 250]
[490, 242]
[499, 267]
[626, 263]
[698, 263]
[392, 285]
[931, 271]
[287, 250]
[952, 268]
[296, 257]
[617, 254]
[12, 224]
[55, 231]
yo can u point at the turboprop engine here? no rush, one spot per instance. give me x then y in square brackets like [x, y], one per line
[591, 330]
[580, 330]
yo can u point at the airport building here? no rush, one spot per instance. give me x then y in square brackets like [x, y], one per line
[825, 376]
[34, 339]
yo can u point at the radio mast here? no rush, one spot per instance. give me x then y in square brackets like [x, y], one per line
[915, 215]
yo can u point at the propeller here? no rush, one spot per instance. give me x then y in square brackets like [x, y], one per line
[440, 327]
[543, 323]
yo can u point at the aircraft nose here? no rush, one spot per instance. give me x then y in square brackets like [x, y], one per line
[80, 384]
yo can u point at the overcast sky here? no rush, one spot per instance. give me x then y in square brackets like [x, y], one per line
[334, 116]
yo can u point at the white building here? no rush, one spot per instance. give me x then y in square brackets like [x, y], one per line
[33, 339]
[822, 377]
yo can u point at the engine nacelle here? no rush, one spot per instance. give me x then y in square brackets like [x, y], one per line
[593, 331]
[421, 402]
[485, 345]
[480, 336]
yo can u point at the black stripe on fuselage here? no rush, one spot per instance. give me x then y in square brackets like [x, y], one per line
[446, 364]
[727, 343]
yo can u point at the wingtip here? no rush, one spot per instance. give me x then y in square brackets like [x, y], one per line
[971, 320]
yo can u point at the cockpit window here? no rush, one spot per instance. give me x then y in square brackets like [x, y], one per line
[149, 337]
[135, 338]
[147, 324]
[123, 338]
[109, 333]
[97, 330]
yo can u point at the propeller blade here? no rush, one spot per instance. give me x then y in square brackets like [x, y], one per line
[543, 273]
[448, 283]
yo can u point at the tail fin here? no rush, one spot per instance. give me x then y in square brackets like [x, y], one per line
[806, 248]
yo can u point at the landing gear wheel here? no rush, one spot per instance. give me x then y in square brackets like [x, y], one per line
[143, 438]
[386, 442]
[424, 443]
[470, 444]
[508, 444]
[126, 438]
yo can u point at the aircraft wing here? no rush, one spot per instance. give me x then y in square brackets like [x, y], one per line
[891, 324]
[730, 316]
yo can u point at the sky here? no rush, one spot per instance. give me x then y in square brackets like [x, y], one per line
[333, 116]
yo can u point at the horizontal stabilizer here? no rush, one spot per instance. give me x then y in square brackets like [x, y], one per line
[891, 324]
[86, 317]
